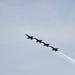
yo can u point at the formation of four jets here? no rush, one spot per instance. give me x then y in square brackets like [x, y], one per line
[40, 41]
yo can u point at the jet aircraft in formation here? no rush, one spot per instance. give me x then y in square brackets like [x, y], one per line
[40, 41]
[29, 37]
[55, 49]
[37, 40]
[45, 44]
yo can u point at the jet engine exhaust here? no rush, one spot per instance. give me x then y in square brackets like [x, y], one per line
[66, 56]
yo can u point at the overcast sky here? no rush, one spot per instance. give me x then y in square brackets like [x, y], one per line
[53, 21]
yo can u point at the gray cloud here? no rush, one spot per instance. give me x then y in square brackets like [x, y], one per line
[49, 20]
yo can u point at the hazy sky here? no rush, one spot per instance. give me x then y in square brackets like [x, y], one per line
[53, 21]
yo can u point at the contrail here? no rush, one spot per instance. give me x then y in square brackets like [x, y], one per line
[66, 56]
[72, 60]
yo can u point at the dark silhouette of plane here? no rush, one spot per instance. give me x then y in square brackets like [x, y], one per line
[55, 49]
[37, 40]
[29, 37]
[45, 44]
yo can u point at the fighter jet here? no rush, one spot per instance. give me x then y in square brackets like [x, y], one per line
[37, 40]
[55, 49]
[45, 44]
[29, 37]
